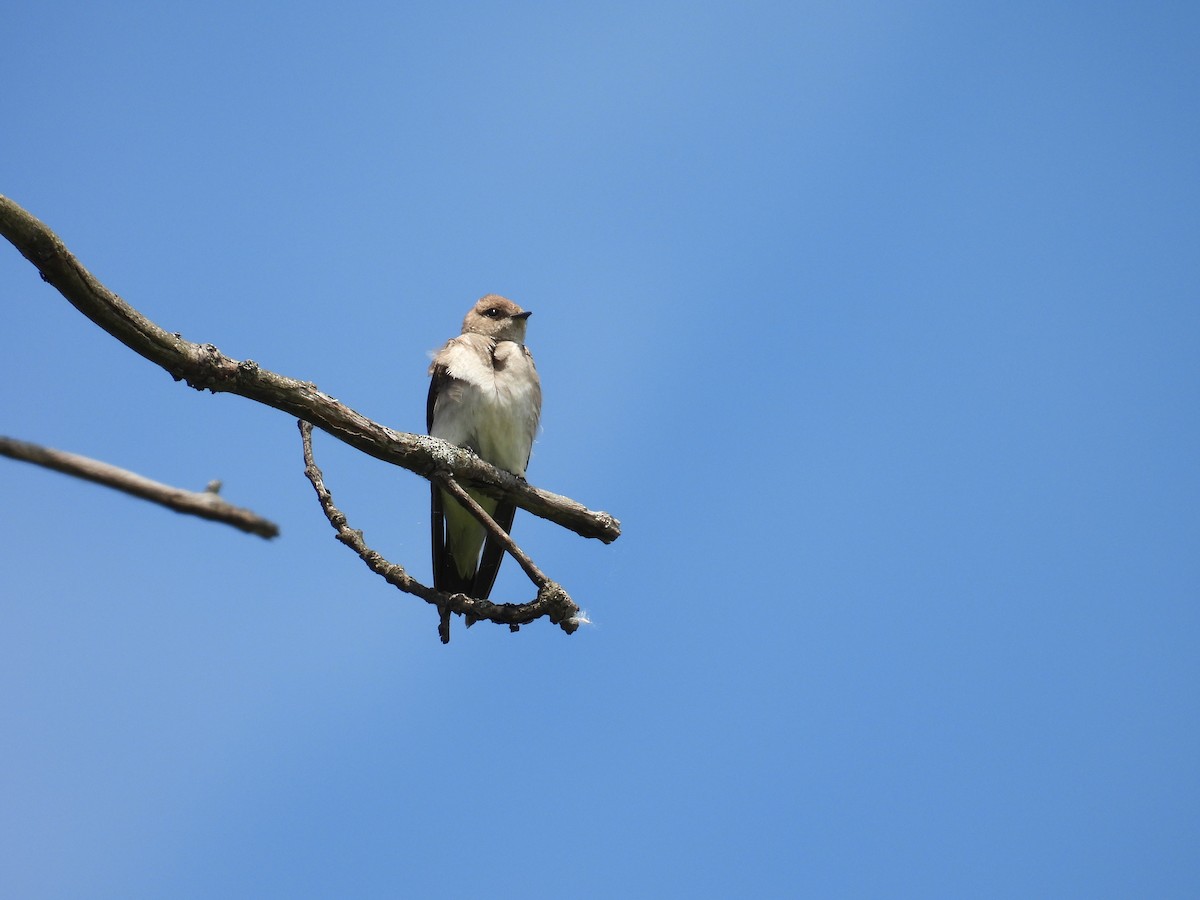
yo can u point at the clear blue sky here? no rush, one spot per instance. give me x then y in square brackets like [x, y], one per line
[877, 325]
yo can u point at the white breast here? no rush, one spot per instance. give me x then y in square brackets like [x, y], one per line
[493, 409]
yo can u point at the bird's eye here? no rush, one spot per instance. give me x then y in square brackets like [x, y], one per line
[492, 313]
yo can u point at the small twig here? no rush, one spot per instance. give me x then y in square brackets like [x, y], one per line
[536, 575]
[552, 601]
[205, 504]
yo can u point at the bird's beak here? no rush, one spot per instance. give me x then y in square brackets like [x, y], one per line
[524, 315]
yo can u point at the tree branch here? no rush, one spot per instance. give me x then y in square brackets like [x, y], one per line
[203, 367]
[448, 484]
[552, 601]
[205, 504]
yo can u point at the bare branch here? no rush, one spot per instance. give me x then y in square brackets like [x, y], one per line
[205, 504]
[552, 601]
[205, 368]
[450, 485]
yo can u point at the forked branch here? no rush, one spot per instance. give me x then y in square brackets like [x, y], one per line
[203, 367]
[552, 601]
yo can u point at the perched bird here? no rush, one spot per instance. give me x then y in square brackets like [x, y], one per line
[485, 395]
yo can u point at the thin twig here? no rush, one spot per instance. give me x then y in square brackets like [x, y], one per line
[205, 368]
[205, 504]
[446, 480]
[552, 601]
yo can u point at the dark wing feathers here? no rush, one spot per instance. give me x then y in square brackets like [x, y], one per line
[445, 573]
[440, 376]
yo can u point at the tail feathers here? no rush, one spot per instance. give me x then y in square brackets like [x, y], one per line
[446, 575]
[447, 579]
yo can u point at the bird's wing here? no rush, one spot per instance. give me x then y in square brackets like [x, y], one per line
[445, 573]
[440, 378]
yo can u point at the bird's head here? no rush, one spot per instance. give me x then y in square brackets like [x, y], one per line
[497, 318]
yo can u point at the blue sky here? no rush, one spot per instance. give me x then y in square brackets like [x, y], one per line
[875, 324]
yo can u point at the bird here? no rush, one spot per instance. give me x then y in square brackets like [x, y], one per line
[484, 395]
